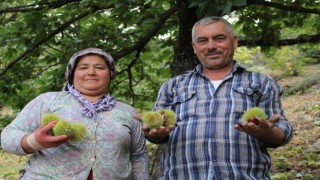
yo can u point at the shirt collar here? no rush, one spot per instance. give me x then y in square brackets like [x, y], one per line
[198, 68]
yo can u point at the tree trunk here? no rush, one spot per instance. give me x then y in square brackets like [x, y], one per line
[184, 57]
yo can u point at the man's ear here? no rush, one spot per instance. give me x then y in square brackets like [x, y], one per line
[235, 42]
[194, 49]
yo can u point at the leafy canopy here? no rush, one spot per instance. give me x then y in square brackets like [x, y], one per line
[37, 38]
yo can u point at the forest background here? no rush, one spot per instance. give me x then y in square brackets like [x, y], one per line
[151, 42]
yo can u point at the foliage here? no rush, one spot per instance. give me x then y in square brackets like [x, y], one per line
[301, 86]
[312, 52]
[251, 58]
[5, 119]
[38, 38]
[286, 61]
[216, 7]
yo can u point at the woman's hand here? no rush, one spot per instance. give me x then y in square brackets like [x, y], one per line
[42, 139]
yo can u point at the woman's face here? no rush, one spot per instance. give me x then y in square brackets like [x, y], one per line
[91, 76]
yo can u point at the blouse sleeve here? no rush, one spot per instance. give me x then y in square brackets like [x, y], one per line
[27, 121]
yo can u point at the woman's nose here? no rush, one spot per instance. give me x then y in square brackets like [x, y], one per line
[91, 70]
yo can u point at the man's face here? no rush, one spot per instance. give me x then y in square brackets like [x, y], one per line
[214, 46]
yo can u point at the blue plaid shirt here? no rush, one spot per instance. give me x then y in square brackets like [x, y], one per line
[204, 144]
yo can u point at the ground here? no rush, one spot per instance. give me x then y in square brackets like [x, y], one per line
[299, 159]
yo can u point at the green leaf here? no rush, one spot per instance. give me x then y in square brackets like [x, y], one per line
[227, 9]
[239, 2]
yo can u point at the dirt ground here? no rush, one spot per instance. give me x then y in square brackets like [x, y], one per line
[303, 111]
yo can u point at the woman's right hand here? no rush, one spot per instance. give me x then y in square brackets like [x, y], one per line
[42, 139]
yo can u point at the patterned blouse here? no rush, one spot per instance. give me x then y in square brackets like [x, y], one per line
[114, 147]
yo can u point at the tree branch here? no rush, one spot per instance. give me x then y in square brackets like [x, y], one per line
[283, 7]
[51, 35]
[144, 40]
[284, 42]
[38, 6]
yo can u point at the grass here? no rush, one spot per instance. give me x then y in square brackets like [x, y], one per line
[10, 165]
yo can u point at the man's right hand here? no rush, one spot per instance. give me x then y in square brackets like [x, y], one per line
[157, 136]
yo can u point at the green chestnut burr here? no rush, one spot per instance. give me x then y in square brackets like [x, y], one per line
[168, 116]
[252, 114]
[47, 118]
[79, 132]
[152, 119]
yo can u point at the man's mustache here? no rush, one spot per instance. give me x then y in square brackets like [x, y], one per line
[215, 51]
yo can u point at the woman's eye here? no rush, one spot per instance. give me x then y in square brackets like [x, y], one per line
[100, 68]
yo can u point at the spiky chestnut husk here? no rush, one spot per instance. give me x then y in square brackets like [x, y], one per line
[152, 119]
[254, 113]
[79, 132]
[63, 127]
[168, 116]
[47, 118]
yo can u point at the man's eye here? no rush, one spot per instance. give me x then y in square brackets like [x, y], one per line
[220, 39]
[202, 40]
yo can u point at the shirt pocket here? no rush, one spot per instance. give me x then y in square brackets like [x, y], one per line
[185, 105]
[183, 97]
[245, 98]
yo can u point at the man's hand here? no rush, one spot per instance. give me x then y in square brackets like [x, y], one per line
[263, 130]
[41, 139]
[157, 136]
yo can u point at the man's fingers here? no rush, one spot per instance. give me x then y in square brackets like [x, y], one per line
[169, 129]
[275, 118]
[137, 116]
[153, 132]
[145, 128]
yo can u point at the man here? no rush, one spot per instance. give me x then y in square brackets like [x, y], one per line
[210, 139]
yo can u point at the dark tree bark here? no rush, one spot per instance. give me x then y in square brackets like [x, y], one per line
[184, 58]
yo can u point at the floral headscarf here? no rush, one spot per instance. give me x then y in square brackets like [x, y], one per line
[106, 102]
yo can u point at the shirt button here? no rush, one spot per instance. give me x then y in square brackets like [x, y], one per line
[213, 115]
[92, 159]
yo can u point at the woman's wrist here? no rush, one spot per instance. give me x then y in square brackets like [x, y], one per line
[30, 144]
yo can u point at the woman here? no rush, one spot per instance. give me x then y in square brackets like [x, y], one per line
[114, 147]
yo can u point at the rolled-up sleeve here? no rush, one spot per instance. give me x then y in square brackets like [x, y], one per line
[272, 103]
